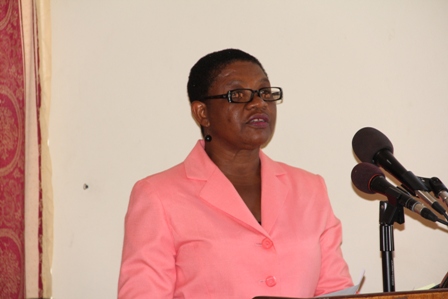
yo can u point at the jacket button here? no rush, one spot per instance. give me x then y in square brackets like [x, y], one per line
[266, 243]
[271, 281]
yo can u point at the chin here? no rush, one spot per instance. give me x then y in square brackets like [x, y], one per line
[261, 141]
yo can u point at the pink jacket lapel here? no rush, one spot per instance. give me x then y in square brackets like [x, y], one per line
[274, 191]
[220, 193]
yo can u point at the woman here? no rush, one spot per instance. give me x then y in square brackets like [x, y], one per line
[229, 222]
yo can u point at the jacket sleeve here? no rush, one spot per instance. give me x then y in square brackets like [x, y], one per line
[334, 273]
[148, 258]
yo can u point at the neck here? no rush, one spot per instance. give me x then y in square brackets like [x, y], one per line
[236, 164]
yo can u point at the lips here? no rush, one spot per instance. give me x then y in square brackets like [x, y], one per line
[259, 120]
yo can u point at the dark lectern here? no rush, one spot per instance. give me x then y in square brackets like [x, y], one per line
[431, 294]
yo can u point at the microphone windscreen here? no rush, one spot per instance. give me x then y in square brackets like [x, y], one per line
[363, 174]
[367, 142]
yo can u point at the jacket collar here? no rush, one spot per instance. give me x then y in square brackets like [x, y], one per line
[220, 193]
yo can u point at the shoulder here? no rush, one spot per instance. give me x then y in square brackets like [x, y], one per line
[305, 181]
[291, 172]
[297, 171]
[196, 156]
[301, 183]
[161, 178]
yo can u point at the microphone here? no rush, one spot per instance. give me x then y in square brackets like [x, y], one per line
[370, 145]
[439, 189]
[370, 179]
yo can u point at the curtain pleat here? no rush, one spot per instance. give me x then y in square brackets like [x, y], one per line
[46, 212]
[32, 179]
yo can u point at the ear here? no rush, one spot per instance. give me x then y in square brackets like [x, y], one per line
[199, 112]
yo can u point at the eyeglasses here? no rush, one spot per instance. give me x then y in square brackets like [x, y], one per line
[245, 95]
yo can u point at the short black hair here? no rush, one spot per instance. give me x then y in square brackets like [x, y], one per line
[205, 71]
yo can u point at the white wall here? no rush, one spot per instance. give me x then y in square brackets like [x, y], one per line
[120, 112]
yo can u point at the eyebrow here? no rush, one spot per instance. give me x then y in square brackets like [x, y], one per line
[238, 82]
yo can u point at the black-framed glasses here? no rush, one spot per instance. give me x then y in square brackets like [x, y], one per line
[245, 95]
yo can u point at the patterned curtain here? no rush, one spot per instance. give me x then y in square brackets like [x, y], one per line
[25, 176]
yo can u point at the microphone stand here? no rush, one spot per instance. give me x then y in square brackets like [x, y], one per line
[389, 214]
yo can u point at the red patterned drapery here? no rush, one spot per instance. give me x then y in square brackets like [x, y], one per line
[12, 153]
[25, 225]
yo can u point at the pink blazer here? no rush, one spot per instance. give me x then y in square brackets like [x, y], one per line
[188, 234]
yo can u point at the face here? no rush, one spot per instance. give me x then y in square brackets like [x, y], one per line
[239, 126]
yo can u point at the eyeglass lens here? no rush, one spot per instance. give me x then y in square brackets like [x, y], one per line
[246, 95]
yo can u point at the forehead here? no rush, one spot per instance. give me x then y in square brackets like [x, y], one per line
[240, 72]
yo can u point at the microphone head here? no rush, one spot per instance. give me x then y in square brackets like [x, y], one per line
[367, 142]
[363, 174]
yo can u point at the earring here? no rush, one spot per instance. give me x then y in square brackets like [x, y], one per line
[208, 138]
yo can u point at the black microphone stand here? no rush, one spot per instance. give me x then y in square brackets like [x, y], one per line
[390, 213]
